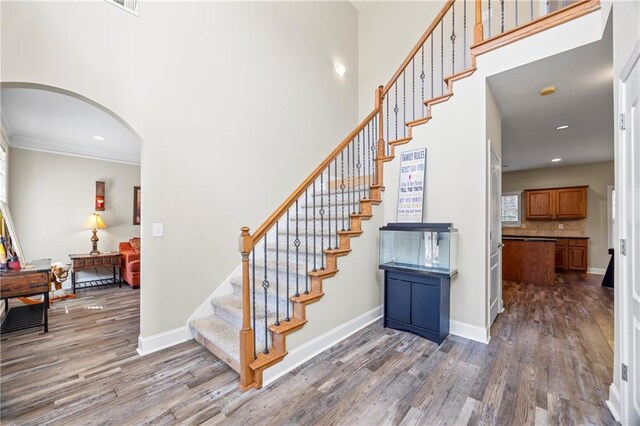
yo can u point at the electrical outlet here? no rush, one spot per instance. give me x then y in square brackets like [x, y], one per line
[486, 15]
[524, 226]
[561, 226]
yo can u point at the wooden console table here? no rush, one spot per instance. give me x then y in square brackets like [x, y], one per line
[84, 262]
[25, 282]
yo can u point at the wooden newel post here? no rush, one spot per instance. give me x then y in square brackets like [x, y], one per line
[478, 30]
[380, 151]
[247, 379]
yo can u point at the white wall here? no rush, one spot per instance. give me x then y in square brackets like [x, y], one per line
[457, 160]
[494, 121]
[51, 195]
[235, 102]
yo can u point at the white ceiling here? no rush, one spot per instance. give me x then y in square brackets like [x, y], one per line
[583, 78]
[53, 122]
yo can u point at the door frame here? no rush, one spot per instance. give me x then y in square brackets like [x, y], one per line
[491, 151]
[620, 400]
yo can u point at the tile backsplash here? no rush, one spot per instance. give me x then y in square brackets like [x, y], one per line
[571, 228]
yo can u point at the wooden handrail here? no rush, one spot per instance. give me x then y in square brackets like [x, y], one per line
[280, 211]
[418, 45]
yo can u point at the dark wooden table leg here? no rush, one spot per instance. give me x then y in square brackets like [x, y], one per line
[73, 281]
[119, 280]
[46, 312]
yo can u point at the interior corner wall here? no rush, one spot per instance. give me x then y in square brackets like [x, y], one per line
[235, 103]
[51, 195]
[387, 31]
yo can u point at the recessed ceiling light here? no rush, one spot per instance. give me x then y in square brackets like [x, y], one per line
[564, 126]
[98, 138]
[340, 69]
[548, 91]
[555, 160]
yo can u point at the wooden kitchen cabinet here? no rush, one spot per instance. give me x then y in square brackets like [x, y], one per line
[571, 203]
[539, 204]
[528, 260]
[561, 256]
[572, 254]
[556, 203]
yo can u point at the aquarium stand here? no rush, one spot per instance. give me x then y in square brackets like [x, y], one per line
[417, 301]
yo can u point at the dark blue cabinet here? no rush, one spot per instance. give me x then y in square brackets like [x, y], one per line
[417, 302]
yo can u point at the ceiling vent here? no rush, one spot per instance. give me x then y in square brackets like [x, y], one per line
[128, 5]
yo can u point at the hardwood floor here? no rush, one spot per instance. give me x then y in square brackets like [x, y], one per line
[549, 362]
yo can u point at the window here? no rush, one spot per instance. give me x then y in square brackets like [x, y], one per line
[511, 209]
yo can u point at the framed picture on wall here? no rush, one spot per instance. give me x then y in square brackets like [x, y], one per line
[100, 196]
[136, 205]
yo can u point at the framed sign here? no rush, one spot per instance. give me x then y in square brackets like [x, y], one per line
[411, 189]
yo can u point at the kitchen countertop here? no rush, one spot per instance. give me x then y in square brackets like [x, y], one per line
[524, 238]
[545, 236]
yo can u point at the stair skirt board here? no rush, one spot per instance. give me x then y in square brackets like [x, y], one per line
[301, 354]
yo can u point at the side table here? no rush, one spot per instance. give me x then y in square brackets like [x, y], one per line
[84, 262]
[25, 282]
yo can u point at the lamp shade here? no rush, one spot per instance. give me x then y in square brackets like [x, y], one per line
[94, 221]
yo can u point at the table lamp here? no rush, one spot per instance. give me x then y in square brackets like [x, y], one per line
[94, 222]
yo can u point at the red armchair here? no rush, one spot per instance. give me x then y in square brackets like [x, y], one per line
[130, 251]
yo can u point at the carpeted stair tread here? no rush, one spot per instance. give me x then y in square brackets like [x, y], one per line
[221, 334]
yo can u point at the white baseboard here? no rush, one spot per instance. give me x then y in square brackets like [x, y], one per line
[596, 271]
[613, 403]
[157, 342]
[468, 331]
[305, 352]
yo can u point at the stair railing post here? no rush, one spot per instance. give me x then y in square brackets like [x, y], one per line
[247, 351]
[478, 29]
[381, 149]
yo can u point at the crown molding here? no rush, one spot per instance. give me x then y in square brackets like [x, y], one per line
[6, 129]
[61, 148]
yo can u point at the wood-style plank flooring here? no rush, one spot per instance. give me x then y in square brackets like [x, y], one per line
[549, 362]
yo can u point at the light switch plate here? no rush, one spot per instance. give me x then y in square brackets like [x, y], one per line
[158, 230]
[561, 226]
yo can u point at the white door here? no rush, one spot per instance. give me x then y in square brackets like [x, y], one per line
[629, 224]
[495, 238]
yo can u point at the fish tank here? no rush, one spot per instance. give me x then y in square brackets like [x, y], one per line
[419, 247]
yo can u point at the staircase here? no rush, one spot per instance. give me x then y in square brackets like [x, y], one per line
[286, 260]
